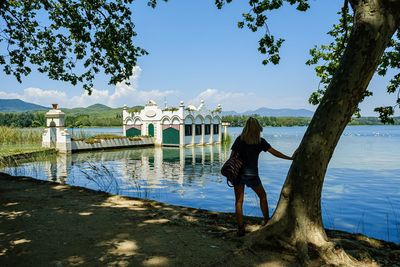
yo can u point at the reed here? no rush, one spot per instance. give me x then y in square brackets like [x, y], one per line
[13, 158]
[102, 177]
[396, 216]
[134, 182]
[15, 141]
[78, 135]
[361, 225]
[226, 139]
[12, 135]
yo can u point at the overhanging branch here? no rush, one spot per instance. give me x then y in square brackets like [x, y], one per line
[353, 4]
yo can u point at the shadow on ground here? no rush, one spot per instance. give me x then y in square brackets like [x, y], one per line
[48, 224]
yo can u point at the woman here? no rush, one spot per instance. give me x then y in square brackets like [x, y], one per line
[249, 146]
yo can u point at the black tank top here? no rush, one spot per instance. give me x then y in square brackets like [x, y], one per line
[249, 153]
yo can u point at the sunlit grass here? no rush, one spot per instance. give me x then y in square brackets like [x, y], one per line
[97, 138]
[12, 135]
[88, 139]
[12, 150]
[16, 141]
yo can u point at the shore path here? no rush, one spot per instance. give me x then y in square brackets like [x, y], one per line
[48, 224]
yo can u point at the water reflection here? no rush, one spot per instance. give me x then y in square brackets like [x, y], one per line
[57, 169]
[136, 172]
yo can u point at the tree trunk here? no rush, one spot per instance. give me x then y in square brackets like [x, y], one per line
[297, 221]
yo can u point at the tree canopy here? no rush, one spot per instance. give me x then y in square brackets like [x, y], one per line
[69, 40]
[327, 58]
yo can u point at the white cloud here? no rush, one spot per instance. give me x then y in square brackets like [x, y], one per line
[131, 95]
[37, 96]
[244, 101]
[84, 100]
[5, 95]
[228, 100]
[123, 94]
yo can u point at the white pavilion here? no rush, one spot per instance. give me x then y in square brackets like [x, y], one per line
[180, 126]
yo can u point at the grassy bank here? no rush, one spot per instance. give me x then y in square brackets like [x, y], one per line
[12, 135]
[20, 149]
[15, 141]
[16, 156]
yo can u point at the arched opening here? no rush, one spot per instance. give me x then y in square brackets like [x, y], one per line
[170, 133]
[53, 134]
[133, 132]
[150, 130]
[171, 136]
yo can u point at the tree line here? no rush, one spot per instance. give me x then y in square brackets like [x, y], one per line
[240, 121]
[37, 119]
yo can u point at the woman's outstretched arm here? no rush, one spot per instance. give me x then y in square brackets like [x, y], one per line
[278, 154]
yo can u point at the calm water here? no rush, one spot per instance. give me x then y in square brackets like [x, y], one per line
[361, 191]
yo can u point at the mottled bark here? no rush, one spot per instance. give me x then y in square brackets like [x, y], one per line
[297, 221]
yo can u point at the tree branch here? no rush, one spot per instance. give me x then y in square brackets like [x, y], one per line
[19, 22]
[2, 3]
[345, 10]
[354, 4]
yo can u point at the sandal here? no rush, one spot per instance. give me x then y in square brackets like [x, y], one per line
[241, 231]
[264, 222]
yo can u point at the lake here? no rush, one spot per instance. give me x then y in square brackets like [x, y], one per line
[361, 191]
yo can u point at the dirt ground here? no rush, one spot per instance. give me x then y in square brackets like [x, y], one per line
[48, 224]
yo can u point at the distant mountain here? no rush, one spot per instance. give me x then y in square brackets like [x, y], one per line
[90, 109]
[269, 112]
[96, 109]
[99, 106]
[230, 113]
[17, 105]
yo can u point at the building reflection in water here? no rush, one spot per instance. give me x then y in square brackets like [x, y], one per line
[57, 169]
[139, 172]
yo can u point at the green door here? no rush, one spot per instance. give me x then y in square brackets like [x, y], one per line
[151, 130]
[133, 132]
[171, 136]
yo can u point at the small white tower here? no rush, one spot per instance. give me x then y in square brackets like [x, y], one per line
[56, 135]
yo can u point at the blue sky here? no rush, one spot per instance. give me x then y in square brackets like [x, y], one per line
[197, 52]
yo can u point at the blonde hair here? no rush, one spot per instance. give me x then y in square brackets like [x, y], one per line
[251, 132]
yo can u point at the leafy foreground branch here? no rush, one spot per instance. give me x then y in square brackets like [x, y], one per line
[78, 39]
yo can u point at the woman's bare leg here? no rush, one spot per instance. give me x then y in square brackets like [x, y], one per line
[239, 195]
[263, 201]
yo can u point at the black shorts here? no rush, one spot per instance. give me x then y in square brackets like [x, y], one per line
[250, 181]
